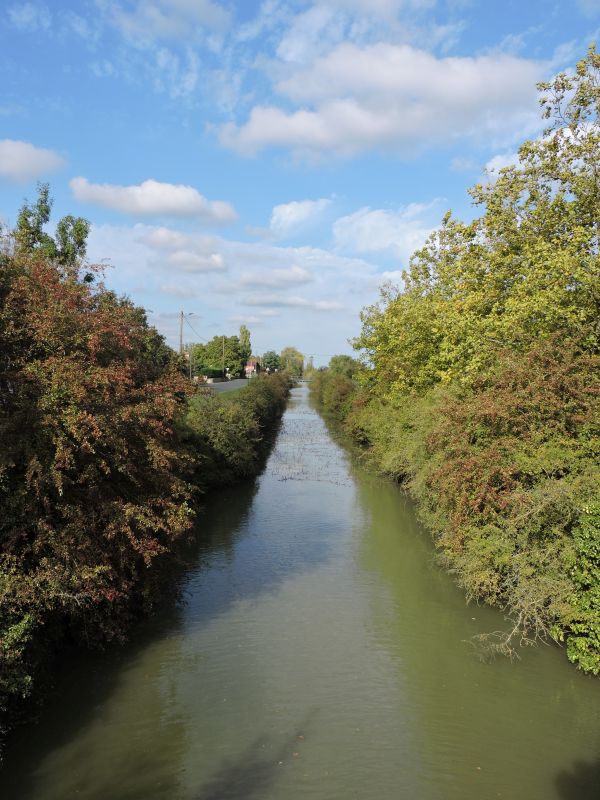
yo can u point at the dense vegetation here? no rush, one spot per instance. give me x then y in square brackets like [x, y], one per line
[480, 388]
[105, 449]
[222, 354]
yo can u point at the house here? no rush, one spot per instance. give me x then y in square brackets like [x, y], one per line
[252, 367]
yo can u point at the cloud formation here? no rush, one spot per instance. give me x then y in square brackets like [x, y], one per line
[29, 17]
[277, 278]
[397, 232]
[150, 21]
[293, 301]
[188, 261]
[21, 162]
[287, 218]
[391, 97]
[152, 198]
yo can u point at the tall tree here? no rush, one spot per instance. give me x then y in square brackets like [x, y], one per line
[245, 343]
[292, 360]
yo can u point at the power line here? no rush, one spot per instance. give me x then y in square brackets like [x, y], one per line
[195, 331]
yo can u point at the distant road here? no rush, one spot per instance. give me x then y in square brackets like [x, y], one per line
[227, 386]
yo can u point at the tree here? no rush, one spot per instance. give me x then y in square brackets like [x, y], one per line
[483, 382]
[525, 270]
[220, 351]
[70, 243]
[245, 344]
[92, 484]
[292, 360]
[344, 365]
[271, 361]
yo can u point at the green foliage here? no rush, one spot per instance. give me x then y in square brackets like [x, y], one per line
[221, 351]
[482, 392]
[344, 365]
[69, 245]
[245, 343]
[583, 646]
[102, 454]
[226, 436]
[524, 270]
[91, 485]
[292, 360]
[271, 361]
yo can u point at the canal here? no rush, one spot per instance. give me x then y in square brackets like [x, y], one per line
[315, 652]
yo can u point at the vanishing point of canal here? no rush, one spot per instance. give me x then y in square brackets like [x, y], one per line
[316, 652]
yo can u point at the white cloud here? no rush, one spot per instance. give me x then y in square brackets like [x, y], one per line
[501, 161]
[167, 19]
[297, 285]
[152, 198]
[287, 301]
[287, 218]
[310, 33]
[164, 238]
[29, 17]
[178, 290]
[398, 232]
[188, 261]
[21, 162]
[174, 76]
[277, 278]
[393, 97]
[247, 319]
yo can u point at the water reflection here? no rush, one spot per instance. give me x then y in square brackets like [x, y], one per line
[580, 782]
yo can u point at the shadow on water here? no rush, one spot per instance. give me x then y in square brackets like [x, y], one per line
[209, 574]
[581, 782]
[84, 680]
[250, 775]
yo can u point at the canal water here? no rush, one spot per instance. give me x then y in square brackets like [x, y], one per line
[316, 652]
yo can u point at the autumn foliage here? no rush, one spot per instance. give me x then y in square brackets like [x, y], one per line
[105, 452]
[480, 389]
[91, 484]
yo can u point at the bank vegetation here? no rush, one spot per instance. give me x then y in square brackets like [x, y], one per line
[479, 386]
[107, 450]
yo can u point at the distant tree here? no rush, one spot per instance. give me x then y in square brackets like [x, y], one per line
[292, 360]
[344, 365]
[221, 351]
[245, 344]
[271, 361]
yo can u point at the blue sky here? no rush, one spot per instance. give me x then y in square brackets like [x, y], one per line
[269, 163]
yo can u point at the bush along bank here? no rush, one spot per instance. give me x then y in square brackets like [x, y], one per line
[481, 392]
[229, 437]
[106, 451]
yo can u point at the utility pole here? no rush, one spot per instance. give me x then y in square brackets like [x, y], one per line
[181, 334]
[223, 357]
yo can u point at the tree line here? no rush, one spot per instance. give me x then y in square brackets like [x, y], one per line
[479, 385]
[227, 356]
[107, 449]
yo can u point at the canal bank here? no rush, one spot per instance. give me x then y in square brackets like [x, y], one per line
[317, 652]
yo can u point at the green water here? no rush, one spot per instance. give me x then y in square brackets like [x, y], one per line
[316, 652]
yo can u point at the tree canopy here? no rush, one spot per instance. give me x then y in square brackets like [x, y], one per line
[271, 361]
[292, 360]
[480, 380]
[219, 353]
